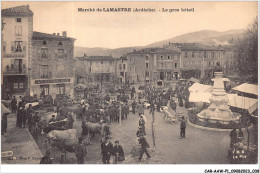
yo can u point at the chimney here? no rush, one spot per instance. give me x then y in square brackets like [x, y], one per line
[64, 33]
[58, 34]
[54, 34]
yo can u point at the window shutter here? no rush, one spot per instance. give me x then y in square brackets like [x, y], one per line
[56, 54]
[12, 46]
[40, 71]
[39, 53]
[65, 54]
[24, 45]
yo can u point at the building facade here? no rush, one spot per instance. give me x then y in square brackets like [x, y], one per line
[154, 66]
[17, 30]
[122, 67]
[53, 71]
[96, 70]
[198, 60]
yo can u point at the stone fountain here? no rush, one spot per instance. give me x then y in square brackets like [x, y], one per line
[218, 111]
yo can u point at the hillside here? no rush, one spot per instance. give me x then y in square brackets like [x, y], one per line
[208, 37]
[118, 52]
[204, 36]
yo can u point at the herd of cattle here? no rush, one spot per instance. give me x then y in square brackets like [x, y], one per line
[61, 135]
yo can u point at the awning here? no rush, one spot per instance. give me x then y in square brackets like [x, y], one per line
[192, 79]
[4, 109]
[241, 102]
[33, 104]
[224, 80]
[234, 100]
[247, 88]
[197, 87]
[200, 97]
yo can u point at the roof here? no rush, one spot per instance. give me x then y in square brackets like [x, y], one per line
[241, 102]
[155, 50]
[200, 97]
[195, 47]
[96, 58]
[247, 88]
[165, 51]
[19, 11]
[197, 87]
[45, 36]
[100, 58]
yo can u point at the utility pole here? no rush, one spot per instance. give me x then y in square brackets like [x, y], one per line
[120, 111]
[152, 126]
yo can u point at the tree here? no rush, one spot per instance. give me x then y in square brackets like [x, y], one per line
[246, 51]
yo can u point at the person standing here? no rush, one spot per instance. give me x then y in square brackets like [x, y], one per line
[4, 123]
[140, 132]
[233, 138]
[118, 152]
[133, 106]
[19, 118]
[140, 108]
[126, 110]
[144, 146]
[132, 93]
[80, 151]
[182, 127]
[23, 117]
[30, 117]
[106, 150]
[142, 123]
[14, 105]
[173, 105]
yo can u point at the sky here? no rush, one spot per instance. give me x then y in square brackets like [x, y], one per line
[125, 29]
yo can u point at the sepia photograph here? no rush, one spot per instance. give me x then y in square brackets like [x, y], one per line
[129, 82]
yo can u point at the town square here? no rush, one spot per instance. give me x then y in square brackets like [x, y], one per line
[81, 96]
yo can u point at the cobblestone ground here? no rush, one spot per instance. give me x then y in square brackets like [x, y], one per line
[199, 146]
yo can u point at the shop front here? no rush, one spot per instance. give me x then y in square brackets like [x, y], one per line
[42, 87]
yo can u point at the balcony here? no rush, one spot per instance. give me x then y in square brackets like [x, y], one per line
[12, 70]
[46, 75]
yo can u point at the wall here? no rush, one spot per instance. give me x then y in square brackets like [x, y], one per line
[57, 68]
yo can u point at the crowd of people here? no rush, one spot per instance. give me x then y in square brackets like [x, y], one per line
[103, 110]
[96, 109]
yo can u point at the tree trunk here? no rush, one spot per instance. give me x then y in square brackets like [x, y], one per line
[153, 135]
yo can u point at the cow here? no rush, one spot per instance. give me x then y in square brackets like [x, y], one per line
[63, 139]
[96, 128]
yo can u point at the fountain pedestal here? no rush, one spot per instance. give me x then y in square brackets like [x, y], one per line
[218, 111]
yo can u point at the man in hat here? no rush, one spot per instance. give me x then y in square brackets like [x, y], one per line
[144, 146]
[30, 117]
[140, 132]
[182, 127]
[142, 123]
[23, 116]
[140, 108]
[133, 106]
[80, 151]
[14, 105]
[106, 150]
[118, 152]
